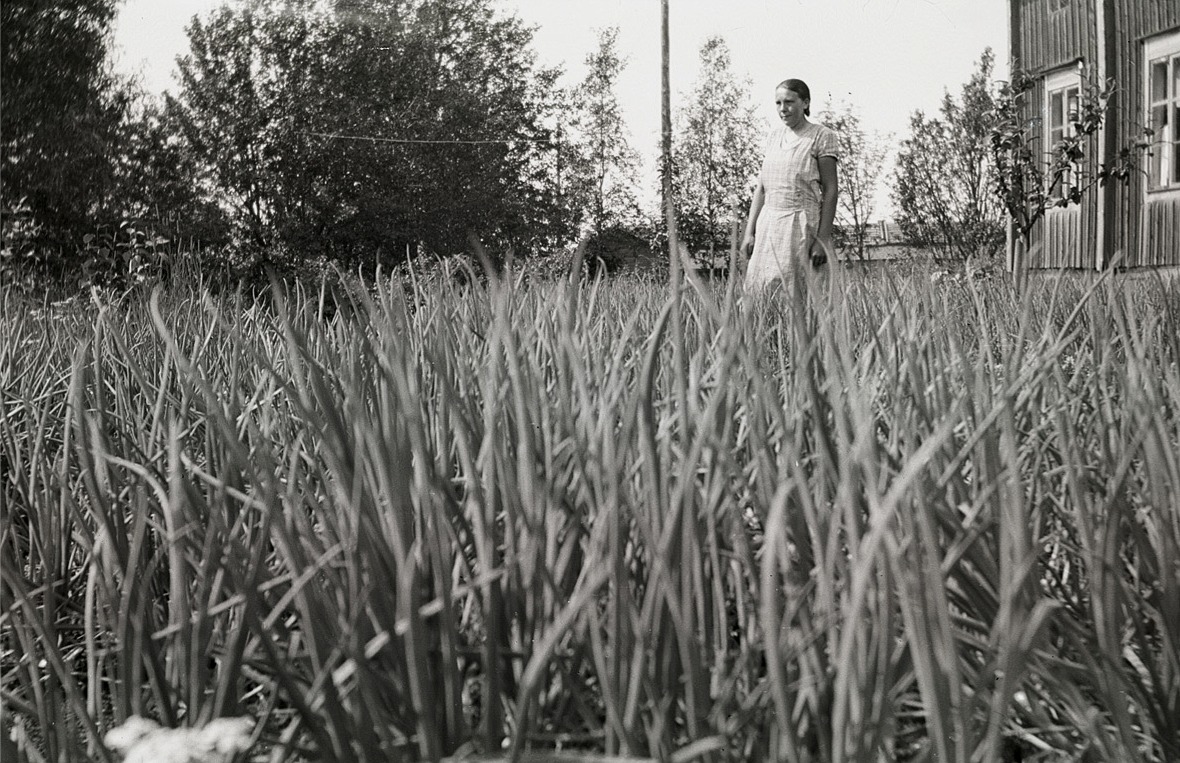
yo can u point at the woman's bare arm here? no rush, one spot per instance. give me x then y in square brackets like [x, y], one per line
[752, 221]
[829, 193]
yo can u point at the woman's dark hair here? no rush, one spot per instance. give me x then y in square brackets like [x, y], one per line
[799, 88]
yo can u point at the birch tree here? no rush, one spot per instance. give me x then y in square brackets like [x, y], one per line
[717, 151]
[604, 166]
[862, 162]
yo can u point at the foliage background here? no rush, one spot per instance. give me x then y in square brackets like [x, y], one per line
[944, 187]
[317, 133]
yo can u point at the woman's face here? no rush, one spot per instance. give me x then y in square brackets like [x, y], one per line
[790, 106]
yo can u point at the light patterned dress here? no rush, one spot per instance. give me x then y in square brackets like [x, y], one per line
[789, 219]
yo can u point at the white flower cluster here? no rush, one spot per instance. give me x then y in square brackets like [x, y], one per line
[141, 740]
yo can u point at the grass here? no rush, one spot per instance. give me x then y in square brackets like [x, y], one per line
[890, 520]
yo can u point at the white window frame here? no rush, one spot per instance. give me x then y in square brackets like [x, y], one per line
[1063, 92]
[1163, 165]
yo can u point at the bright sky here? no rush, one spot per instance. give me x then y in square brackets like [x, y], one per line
[887, 57]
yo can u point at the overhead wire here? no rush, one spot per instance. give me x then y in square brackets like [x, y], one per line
[426, 141]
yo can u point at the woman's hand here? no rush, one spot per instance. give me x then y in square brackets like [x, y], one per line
[822, 249]
[747, 247]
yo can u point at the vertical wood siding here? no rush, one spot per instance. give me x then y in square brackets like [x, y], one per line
[1056, 33]
[1066, 237]
[1161, 230]
[1061, 239]
[1135, 219]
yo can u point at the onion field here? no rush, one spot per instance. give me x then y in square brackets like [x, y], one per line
[880, 518]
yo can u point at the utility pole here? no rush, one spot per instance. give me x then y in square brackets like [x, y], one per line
[666, 161]
[1015, 243]
[694, 692]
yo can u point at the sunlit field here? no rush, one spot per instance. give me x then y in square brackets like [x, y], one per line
[891, 519]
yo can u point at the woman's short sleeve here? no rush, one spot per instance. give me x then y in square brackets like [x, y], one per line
[826, 144]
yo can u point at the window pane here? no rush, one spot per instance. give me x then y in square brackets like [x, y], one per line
[1155, 167]
[1175, 178]
[1176, 77]
[1159, 122]
[1155, 164]
[1159, 81]
[1055, 112]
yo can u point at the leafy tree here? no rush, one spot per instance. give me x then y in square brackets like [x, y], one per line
[158, 183]
[370, 127]
[862, 159]
[603, 163]
[1032, 178]
[945, 174]
[716, 155]
[62, 111]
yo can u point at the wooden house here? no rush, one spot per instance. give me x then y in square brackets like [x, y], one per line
[1137, 43]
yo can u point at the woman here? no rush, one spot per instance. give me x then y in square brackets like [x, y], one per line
[794, 204]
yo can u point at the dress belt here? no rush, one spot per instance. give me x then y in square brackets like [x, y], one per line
[795, 208]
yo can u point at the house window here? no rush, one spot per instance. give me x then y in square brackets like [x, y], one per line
[1062, 94]
[1163, 112]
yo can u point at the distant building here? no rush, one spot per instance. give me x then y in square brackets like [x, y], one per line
[618, 250]
[884, 233]
[1137, 44]
[884, 240]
